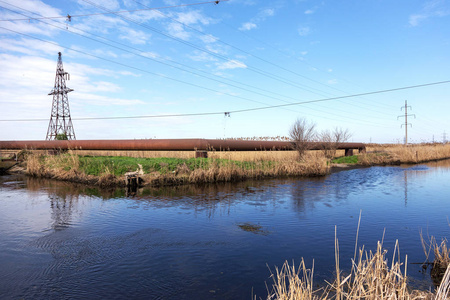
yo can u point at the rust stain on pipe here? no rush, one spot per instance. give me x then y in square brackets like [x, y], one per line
[167, 145]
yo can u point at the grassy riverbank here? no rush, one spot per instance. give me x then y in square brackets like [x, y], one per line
[109, 171]
[107, 168]
[398, 154]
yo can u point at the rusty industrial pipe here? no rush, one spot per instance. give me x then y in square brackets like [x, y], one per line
[167, 145]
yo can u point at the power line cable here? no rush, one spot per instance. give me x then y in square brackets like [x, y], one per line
[255, 56]
[173, 62]
[249, 109]
[290, 56]
[241, 50]
[172, 66]
[321, 116]
[217, 55]
[69, 17]
[257, 70]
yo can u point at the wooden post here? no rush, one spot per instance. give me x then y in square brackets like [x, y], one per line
[203, 154]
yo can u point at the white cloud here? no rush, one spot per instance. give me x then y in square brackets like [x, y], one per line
[102, 53]
[145, 15]
[192, 19]
[100, 100]
[431, 9]
[37, 7]
[304, 30]
[28, 46]
[248, 26]
[149, 54]
[109, 4]
[27, 26]
[217, 49]
[201, 56]
[102, 86]
[262, 15]
[268, 12]
[128, 73]
[177, 30]
[26, 80]
[209, 39]
[332, 81]
[134, 36]
[231, 64]
[414, 20]
[309, 12]
[100, 23]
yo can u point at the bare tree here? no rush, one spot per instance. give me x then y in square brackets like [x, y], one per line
[327, 145]
[341, 135]
[302, 132]
[331, 140]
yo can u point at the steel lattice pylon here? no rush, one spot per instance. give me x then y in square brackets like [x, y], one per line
[60, 126]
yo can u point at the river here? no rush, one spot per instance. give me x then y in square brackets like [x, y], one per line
[64, 241]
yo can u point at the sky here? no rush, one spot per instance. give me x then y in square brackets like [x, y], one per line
[165, 69]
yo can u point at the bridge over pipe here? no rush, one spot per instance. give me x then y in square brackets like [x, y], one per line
[201, 146]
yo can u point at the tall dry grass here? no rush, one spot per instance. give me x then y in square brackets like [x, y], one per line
[66, 166]
[136, 154]
[253, 156]
[216, 172]
[390, 154]
[372, 276]
[441, 261]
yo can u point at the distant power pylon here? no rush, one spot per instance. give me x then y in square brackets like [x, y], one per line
[406, 120]
[60, 126]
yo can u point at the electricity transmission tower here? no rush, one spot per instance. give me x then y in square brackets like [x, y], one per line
[406, 120]
[60, 126]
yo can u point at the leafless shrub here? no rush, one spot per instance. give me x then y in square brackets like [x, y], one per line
[328, 149]
[303, 133]
[331, 140]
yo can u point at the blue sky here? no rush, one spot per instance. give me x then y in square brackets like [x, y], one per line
[215, 58]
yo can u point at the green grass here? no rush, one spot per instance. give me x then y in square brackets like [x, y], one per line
[119, 165]
[346, 160]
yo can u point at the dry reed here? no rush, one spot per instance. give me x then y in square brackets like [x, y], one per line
[396, 154]
[371, 277]
[137, 154]
[67, 167]
[441, 260]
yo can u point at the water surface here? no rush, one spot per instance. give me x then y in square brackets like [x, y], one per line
[60, 240]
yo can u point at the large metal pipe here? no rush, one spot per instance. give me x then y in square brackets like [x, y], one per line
[167, 145]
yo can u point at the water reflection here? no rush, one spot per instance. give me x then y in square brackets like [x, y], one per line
[63, 240]
[406, 187]
[219, 198]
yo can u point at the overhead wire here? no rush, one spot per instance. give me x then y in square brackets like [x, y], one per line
[320, 116]
[216, 91]
[240, 50]
[115, 12]
[166, 77]
[252, 55]
[303, 61]
[221, 56]
[249, 109]
[214, 54]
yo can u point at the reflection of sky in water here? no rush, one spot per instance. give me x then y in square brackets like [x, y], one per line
[183, 242]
